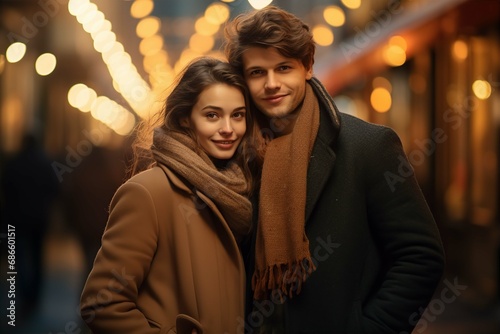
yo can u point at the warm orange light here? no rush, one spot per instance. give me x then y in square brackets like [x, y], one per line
[394, 55]
[2, 63]
[382, 82]
[154, 60]
[141, 8]
[398, 41]
[460, 50]
[151, 45]
[217, 13]
[334, 16]
[204, 27]
[322, 35]
[381, 99]
[147, 27]
[201, 44]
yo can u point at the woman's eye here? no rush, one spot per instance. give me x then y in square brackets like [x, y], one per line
[211, 115]
[239, 114]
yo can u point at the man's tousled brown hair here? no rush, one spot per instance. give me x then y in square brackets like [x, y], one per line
[269, 27]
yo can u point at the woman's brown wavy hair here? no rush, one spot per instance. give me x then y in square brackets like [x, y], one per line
[190, 83]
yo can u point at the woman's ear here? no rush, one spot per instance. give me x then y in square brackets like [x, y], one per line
[185, 122]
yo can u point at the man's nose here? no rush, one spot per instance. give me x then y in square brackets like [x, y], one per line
[272, 82]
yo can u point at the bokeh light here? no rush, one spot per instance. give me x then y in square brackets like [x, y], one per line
[15, 52]
[482, 89]
[334, 16]
[381, 100]
[45, 64]
[322, 35]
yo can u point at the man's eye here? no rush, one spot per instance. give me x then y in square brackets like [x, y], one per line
[256, 72]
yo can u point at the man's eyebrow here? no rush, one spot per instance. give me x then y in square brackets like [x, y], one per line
[256, 67]
[253, 68]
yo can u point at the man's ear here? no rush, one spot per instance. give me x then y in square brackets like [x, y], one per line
[309, 70]
[309, 74]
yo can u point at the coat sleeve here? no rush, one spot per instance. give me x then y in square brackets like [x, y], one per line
[108, 300]
[407, 235]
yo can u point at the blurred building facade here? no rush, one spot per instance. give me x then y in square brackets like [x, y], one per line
[429, 69]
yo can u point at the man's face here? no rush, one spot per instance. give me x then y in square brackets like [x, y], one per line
[277, 84]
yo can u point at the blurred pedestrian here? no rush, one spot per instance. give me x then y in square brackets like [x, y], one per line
[30, 188]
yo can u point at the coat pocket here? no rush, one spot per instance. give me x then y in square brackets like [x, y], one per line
[185, 325]
[356, 318]
[154, 324]
[359, 323]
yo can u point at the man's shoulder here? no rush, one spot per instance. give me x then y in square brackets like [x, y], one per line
[350, 123]
[356, 132]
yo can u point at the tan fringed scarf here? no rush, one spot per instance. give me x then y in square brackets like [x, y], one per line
[227, 188]
[282, 259]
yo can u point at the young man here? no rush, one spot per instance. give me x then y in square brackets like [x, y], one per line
[345, 241]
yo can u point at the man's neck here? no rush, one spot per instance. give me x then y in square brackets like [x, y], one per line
[282, 126]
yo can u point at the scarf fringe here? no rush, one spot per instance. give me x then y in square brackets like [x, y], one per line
[282, 279]
[282, 256]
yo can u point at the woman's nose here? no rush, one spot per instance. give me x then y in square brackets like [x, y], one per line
[226, 127]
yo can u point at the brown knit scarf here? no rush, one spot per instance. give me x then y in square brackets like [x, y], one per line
[282, 260]
[227, 188]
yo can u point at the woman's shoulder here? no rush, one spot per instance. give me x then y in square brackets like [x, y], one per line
[149, 177]
[147, 174]
[158, 178]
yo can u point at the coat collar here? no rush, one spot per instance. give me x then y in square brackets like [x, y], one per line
[175, 179]
[179, 183]
[323, 155]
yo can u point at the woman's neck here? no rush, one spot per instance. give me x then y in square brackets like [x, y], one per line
[220, 164]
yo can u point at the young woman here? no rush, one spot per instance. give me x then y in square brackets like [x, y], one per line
[170, 260]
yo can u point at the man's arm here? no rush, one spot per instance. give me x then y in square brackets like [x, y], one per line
[407, 236]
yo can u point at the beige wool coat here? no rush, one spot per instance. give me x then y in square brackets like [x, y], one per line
[168, 263]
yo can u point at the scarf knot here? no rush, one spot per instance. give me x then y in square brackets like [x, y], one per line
[226, 188]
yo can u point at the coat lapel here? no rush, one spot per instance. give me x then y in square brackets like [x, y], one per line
[319, 170]
[323, 154]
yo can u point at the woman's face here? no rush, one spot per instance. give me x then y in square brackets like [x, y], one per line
[219, 121]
